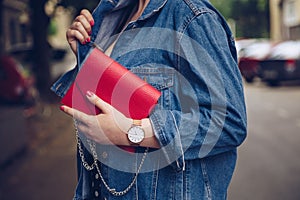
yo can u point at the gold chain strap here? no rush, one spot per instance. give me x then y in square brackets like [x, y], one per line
[88, 167]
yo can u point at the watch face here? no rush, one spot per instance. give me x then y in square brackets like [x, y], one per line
[136, 134]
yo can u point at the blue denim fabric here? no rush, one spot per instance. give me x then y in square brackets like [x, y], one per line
[185, 49]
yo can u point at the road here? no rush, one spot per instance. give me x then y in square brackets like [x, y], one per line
[268, 165]
[46, 169]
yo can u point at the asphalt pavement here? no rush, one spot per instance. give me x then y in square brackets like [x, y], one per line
[46, 168]
[268, 165]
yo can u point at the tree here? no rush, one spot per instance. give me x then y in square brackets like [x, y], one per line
[1, 25]
[41, 49]
[251, 16]
[224, 6]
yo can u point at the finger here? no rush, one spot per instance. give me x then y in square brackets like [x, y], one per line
[76, 114]
[73, 45]
[73, 36]
[88, 16]
[98, 102]
[78, 31]
[83, 22]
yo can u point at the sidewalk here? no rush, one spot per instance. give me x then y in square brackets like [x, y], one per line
[47, 169]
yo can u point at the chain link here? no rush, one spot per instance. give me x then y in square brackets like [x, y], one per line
[89, 167]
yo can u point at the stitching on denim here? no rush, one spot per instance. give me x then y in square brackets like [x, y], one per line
[167, 81]
[158, 129]
[186, 181]
[206, 180]
[181, 147]
[155, 181]
[195, 9]
[154, 11]
[192, 7]
[183, 29]
[136, 183]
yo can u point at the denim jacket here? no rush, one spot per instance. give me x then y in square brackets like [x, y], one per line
[185, 49]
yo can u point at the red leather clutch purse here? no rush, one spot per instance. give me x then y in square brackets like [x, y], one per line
[114, 84]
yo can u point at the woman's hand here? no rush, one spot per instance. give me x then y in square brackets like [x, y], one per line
[80, 29]
[108, 127]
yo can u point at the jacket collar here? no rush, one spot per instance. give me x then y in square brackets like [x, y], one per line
[153, 7]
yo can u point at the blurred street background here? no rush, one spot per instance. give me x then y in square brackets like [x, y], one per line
[37, 142]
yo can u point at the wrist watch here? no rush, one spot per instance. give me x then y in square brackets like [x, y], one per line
[136, 133]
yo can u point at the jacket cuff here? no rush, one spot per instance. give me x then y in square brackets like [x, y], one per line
[171, 144]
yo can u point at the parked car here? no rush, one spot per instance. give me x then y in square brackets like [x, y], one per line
[16, 85]
[242, 44]
[250, 56]
[282, 63]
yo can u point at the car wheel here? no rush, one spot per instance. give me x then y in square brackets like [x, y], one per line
[273, 83]
[249, 79]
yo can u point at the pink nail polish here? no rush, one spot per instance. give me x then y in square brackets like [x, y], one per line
[62, 108]
[92, 22]
[89, 94]
[88, 40]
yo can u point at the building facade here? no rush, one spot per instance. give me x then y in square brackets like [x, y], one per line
[15, 24]
[285, 19]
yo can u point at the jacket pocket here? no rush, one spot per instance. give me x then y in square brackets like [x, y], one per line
[161, 78]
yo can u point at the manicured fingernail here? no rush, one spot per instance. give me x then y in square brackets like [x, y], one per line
[62, 108]
[90, 32]
[89, 94]
[92, 22]
[88, 40]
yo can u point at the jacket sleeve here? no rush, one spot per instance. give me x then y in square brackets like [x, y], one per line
[211, 118]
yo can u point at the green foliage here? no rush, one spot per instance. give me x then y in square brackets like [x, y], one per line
[251, 16]
[52, 29]
[224, 6]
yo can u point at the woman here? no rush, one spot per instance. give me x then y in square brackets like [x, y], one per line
[185, 49]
